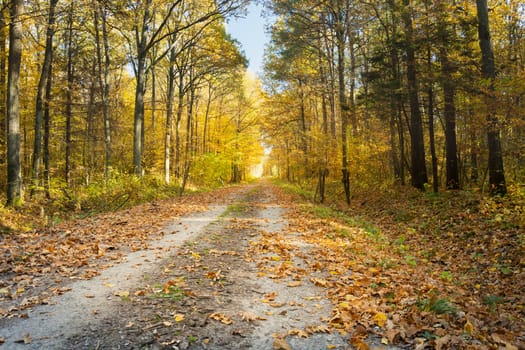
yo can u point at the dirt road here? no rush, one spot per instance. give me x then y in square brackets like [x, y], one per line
[227, 277]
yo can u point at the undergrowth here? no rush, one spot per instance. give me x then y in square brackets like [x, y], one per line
[65, 203]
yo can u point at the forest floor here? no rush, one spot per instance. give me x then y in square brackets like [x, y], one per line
[253, 266]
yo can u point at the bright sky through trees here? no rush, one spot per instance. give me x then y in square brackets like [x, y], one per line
[249, 31]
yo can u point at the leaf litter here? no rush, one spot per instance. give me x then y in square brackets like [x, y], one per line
[364, 280]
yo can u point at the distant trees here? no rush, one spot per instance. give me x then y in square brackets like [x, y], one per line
[395, 67]
[94, 75]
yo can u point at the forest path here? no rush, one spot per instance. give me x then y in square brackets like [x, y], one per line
[231, 276]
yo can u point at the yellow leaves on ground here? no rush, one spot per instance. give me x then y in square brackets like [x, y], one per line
[178, 317]
[320, 282]
[295, 284]
[221, 318]
[468, 328]
[380, 319]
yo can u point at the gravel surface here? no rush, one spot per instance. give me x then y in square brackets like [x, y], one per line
[201, 286]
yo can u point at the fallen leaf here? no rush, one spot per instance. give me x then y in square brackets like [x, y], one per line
[298, 332]
[279, 343]
[441, 343]
[221, 318]
[318, 329]
[380, 319]
[468, 328]
[359, 344]
[295, 284]
[178, 317]
[319, 282]
[250, 316]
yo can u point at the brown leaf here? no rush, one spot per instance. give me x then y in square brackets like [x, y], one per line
[250, 316]
[279, 343]
[221, 318]
[298, 332]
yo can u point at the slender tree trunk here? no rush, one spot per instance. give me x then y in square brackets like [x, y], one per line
[496, 170]
[187, 156]
[450, 123]
[47, 132]
[432, 138]
[474, 150]
[105, 95]
[140, 77]
[180, 104]
[103, 63]
[419, 170]
[3, 89]
[138, 120]
[169, 118]
[304, 131]
[343, 103]
[69, 94]
[153, 100]
[206, 118]
[14, 178]
[40, 95]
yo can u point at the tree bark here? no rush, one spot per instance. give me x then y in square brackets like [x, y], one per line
[340, 23]
[169, 118]
[69, 94]
[3, 89]
[14, 178]
[40, 95]
[47, 133]
[452, 182]
[496, 171]
[103, 63]
[419, 170]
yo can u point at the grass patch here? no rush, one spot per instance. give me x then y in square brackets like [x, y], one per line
[438, 306]
[235, 208]
[167, 291]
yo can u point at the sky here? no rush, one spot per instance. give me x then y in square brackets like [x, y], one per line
[249, 31]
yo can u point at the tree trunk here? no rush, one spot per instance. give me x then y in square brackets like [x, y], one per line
[40, 95]
[206, 118]
[169, 118]
[450, 123]
[187, 156]
[304, 131]
[343, 103]
[47, 134]
[14, 178]
[103, 63]
[177, 124]
[105, 96]
[419, 170]
[69, 94]
[140, 77]
[138, 120]
[3, 90]
[495, 166]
